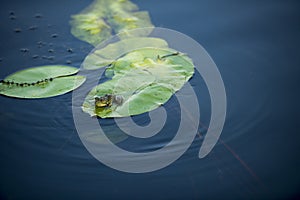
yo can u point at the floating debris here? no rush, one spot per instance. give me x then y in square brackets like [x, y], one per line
[54, 35]
[38, 15]
[50, 57]
[12, 17]
[32, 28]
[40, 44]
[70, 50]
[18, 30]
[24, 50]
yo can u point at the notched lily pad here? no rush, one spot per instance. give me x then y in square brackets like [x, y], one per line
[105, 56]
[41, 82]
[145, 79]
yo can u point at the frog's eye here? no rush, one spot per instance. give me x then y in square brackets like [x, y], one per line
[119, 99]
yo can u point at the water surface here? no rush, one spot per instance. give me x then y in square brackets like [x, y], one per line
[255, 44]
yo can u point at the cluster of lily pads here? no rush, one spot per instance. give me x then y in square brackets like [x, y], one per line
[139, 81]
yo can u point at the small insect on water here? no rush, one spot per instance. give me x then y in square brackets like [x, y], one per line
[108, 100]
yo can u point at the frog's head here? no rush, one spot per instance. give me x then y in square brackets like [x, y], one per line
[104, 101]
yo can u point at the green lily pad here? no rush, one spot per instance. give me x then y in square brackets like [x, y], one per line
[104, 18]
[105, 56]
[41, 82]
[145, 79]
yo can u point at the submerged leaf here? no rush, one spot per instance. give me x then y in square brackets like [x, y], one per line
[115, 135]
[41, 82]
[145, 79]
[106, 17]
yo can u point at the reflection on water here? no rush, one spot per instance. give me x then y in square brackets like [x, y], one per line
[43, 157]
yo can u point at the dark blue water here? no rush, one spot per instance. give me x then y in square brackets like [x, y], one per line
[255, 44]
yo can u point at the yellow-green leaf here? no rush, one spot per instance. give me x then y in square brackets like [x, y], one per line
[41, 82]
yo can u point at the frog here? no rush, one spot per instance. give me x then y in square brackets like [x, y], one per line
[108, 100]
